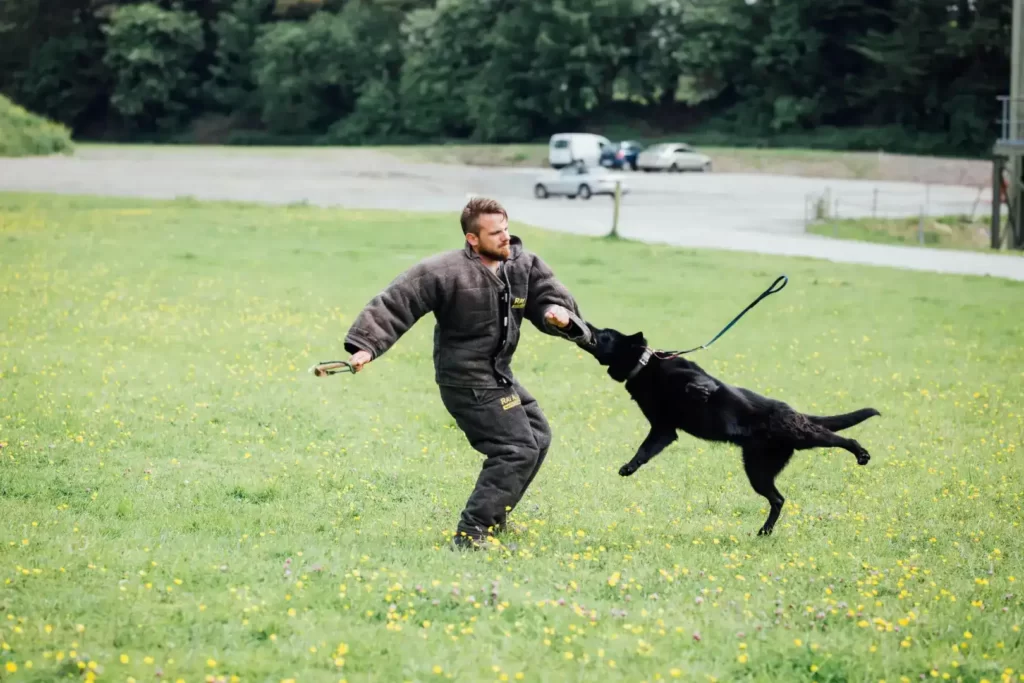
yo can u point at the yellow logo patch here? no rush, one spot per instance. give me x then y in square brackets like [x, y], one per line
[519, 303]
[509, 402]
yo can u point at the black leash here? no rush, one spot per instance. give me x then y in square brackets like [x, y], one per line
[766, 293]
[333, 367]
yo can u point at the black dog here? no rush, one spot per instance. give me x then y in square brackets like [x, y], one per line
[675, 393]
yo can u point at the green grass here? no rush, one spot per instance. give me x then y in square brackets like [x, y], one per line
[783, 161]
[23, 133]
[858, 164]
[951, 232]
[795, 162]
[179, 494]
[525, 154]
[220, 150]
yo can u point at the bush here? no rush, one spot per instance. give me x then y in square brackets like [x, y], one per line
[152, 54]
[303, 75]
[25, 134]
[377, 117]
[890, 139]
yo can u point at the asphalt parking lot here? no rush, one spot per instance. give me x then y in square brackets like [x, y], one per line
[757, 213]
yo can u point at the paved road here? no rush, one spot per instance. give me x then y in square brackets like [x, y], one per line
[752, 213]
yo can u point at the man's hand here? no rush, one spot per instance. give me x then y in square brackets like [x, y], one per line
[359, 359]
[557, 316]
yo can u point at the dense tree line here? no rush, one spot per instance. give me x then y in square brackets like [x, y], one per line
[509, 70]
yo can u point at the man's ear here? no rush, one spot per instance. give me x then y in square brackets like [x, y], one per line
[474, 240]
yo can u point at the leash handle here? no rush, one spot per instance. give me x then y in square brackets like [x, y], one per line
[766, 293]
[331, 367]
[771, 290]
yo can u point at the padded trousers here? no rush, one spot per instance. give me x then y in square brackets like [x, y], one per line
[508, 427]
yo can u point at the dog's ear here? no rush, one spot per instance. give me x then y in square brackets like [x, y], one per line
[637, 337]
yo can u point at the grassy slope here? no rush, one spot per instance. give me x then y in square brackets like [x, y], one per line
[178, 494]
[953, 232]
[798, 162]
[25, 134]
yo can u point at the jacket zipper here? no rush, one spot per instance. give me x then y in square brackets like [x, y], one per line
[503, 318]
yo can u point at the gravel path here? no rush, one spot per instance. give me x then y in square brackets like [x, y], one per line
[752, 213]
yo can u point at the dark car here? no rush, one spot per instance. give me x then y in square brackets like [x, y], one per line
[621, 154]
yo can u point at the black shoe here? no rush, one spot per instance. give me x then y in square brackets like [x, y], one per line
[464, 541]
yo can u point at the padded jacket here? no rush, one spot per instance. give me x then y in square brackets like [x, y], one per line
[477, 313]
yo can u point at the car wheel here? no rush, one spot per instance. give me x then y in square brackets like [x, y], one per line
[540, 192]
[675, 168]
[584, 192]
[706, 168]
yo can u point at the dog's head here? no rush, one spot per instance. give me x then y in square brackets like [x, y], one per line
[619, 352]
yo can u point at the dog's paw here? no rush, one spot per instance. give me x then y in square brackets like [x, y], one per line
[863, 458]
[627, 469]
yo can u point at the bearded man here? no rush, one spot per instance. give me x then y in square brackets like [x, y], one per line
[479, 295]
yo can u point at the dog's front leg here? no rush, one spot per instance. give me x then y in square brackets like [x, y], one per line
[657, 440]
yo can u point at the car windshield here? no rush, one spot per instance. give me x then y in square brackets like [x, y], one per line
[560, 144]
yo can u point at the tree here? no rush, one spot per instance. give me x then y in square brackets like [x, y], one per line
[67, 79]
[444, 51]
[303, 73]
[232, 86]
[662, 40]
[898, 74]
[151, 52]
[555, 63]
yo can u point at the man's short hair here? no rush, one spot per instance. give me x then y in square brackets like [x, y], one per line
[477, 207]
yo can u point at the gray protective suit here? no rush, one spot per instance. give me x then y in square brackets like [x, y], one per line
[478, 317]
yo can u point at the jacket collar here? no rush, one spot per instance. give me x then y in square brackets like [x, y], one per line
[515, 245]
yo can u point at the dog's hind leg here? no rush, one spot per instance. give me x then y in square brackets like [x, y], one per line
[762, 465]
[657, 440]
[816, 436]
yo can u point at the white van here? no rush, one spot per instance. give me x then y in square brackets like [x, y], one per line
[567, 148]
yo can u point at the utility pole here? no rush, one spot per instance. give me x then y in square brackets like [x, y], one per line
[1009, 148]
[615, 216]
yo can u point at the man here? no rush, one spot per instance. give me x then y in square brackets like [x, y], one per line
[479, 296]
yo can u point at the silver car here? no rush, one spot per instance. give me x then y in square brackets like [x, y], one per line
[672, 156]
[577, 181]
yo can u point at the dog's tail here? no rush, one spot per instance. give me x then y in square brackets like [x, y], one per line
[837, 423]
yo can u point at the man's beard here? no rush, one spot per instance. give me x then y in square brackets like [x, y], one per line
[500, 254]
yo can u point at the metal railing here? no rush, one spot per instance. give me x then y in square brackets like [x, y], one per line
[1012, 121]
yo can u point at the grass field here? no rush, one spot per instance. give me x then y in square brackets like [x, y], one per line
[856, 164]
[181, 499]
[953, 232]
[796, 162]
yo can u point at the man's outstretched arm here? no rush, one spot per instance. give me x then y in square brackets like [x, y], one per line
[390, 314]
[551, 308]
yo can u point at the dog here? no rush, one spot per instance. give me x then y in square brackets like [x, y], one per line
[677, 394]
